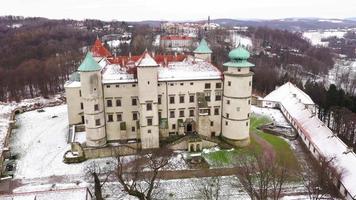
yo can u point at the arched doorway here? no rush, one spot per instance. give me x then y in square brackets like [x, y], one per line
[189, 126]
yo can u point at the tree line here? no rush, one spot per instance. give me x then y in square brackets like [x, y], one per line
[38, 57]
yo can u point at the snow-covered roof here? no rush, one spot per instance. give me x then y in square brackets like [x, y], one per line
[114, 73]
[320, 136]
[286, 90]
[146, 61]
[189, 69]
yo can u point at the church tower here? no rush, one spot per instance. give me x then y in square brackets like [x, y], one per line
[93, 102]
[237, 97]
[147, 75]
[203, 51]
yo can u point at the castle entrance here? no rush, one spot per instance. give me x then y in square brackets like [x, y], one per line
[189, 126]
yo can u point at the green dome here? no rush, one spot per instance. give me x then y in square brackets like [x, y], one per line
[89, 64]
[239, 54]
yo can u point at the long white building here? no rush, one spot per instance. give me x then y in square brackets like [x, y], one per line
[149, 98]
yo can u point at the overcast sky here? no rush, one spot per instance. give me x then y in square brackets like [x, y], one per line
[135, 10]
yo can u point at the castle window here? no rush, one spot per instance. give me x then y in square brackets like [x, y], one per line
[133, 85]
[109, 103]
[213, 134]
[107, 86]
[218, 85]
[118, 102]
[80, 93]
[148, 82]
[97, 122]
[81, 106]
[110, 118]
[191, 99]
[216, 111]
[181, 84]
[134, 101]
[119, 117]
[239, 69]
[159, 99]
[229, 83]
[207, 85]
[191, 83]
[171, 114]
[149, 131]
[227, 101]
[191, 113]
[227, 115]
[173, 126]
[171, 84]
[133, 129]
[134, 116]
[117, 86]
[226, 123]
[171, 99]
[246, 123]
[181, 99]
[250, 83]
[218, 96]
[181, 113]
[208, 111]
[96, 107]
[149, 106]
[159, 115]
[149, 122]
[207, 96]
[249, 102]
[211, 123]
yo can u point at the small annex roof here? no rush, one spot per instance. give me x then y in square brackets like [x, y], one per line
[288, 89]
[146, 61]
[203, 47]
[89, 64]
[98, 50]
[238, 58]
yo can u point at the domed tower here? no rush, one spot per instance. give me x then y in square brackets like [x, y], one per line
[147, 75]
[237, 97]
[93, 101]
[203, 51]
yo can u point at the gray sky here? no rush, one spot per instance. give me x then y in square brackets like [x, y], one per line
[130, 10]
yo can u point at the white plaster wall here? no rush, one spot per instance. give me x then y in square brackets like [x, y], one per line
[73, 103]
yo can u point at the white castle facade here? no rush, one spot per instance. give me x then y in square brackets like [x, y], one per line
[150, 98]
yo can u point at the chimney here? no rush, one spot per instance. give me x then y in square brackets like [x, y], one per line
[153, 54]
[165, 60]
[130, 55]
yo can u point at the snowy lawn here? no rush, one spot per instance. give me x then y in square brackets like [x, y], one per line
[40, 142]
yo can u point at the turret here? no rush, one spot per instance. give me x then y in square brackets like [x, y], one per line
[93, 102]
[237, 97]
[147, 75]
[203, 51]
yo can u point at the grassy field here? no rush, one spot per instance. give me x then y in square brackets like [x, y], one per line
[280, 146]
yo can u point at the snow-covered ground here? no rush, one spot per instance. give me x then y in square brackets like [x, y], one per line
[241, 40]
[40, 142]
[274, 114]
[315, 37]
[341, 70]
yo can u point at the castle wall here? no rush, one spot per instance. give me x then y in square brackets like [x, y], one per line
[74, 99]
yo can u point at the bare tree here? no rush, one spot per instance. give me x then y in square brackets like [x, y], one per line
[261, 175]
[209, 188]
[320, 183]
[100, 175]
[139, 177]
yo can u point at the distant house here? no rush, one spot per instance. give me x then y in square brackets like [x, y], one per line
[176, 41]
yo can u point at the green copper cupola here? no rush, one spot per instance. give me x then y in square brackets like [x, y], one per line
[203, 48]
[89, 64]
[238, 58]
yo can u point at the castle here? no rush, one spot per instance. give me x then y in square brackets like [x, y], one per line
[149, 98]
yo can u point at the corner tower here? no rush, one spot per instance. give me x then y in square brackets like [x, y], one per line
[93, 102]
[203, 51]
[237, 97]
[147, 75]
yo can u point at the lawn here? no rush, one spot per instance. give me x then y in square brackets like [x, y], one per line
[281, 147]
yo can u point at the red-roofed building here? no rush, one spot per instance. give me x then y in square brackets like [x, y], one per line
[176, 41]
[98, 50]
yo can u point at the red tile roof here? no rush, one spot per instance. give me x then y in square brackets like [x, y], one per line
[99, 50]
